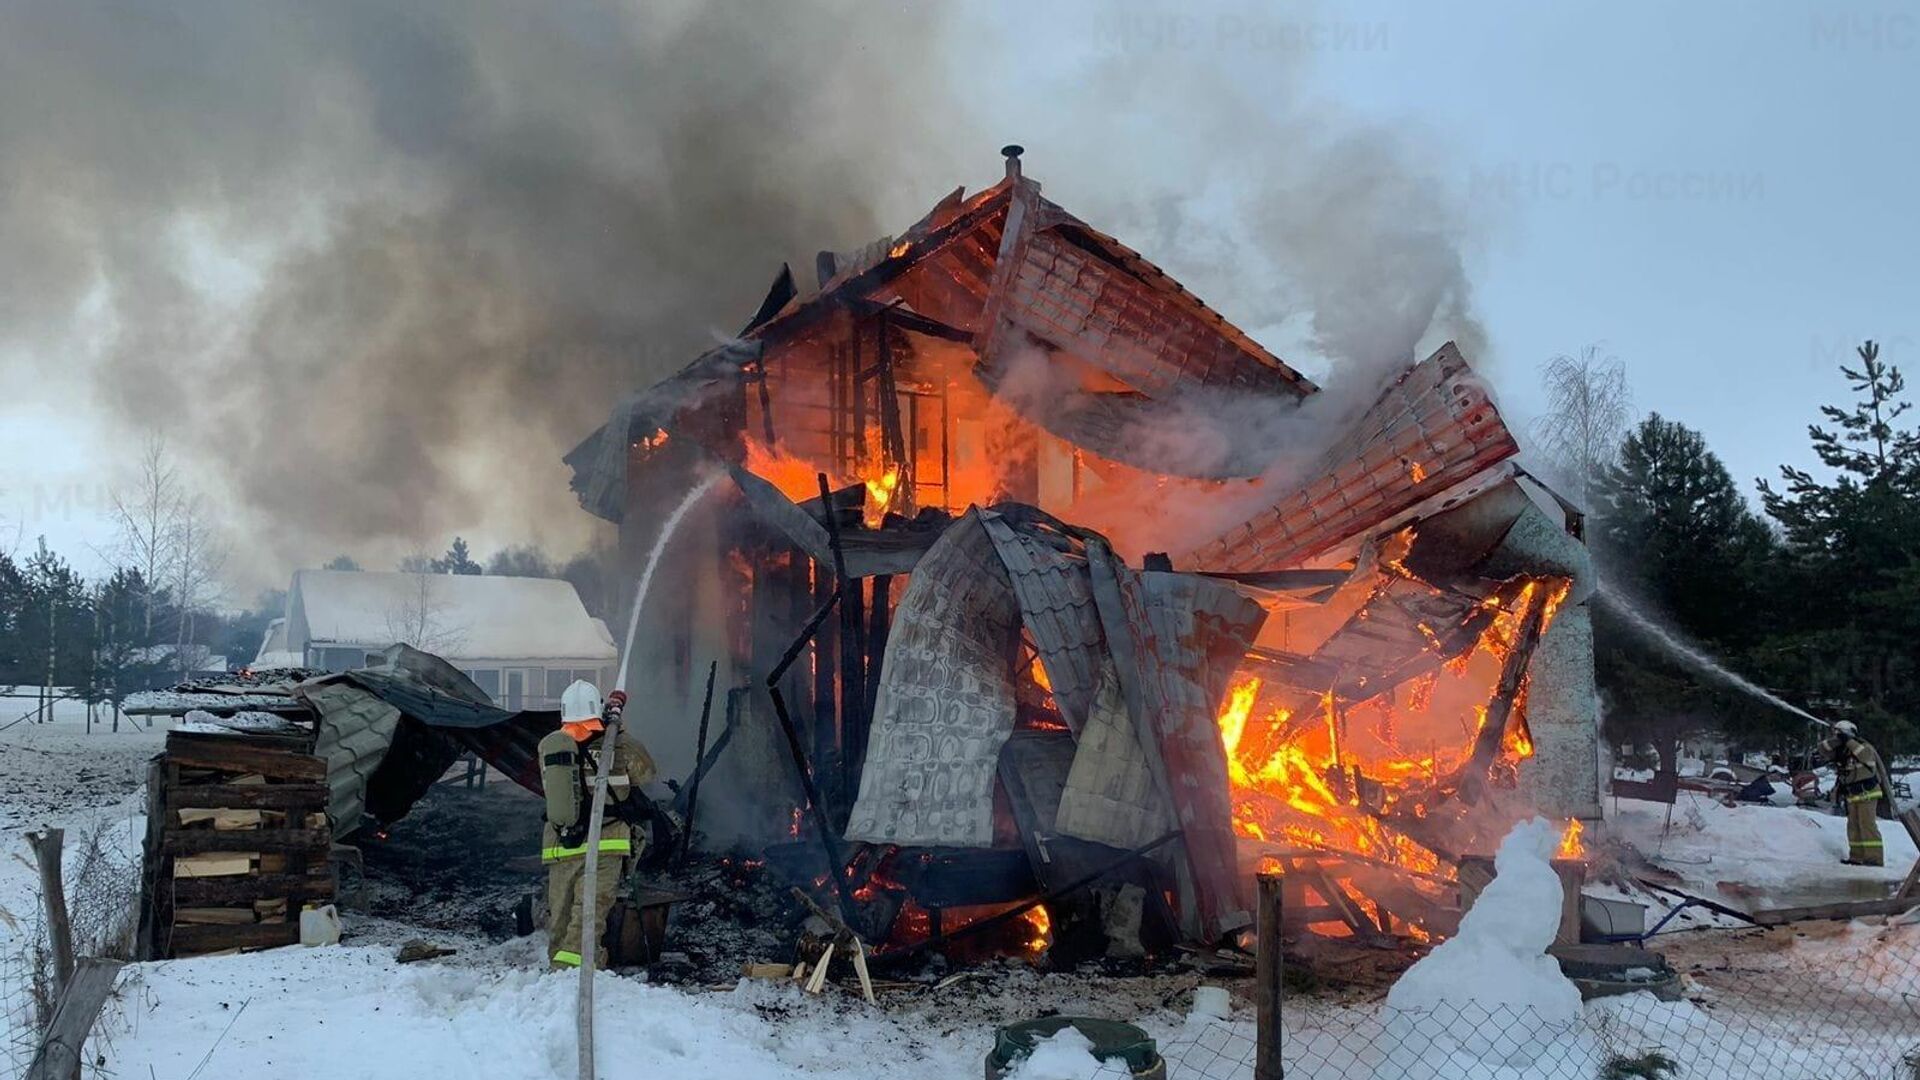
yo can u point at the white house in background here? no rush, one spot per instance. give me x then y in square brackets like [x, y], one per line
[521, 639]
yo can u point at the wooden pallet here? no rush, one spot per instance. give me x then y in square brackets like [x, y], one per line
[237, 843]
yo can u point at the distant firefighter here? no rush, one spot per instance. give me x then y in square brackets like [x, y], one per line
[1857, 770]
[569, 759]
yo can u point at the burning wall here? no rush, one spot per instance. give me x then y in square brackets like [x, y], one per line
[1359, 678]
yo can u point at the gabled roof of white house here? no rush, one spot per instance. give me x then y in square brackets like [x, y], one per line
[476, 616]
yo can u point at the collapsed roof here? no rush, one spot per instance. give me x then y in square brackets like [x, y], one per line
[1083, 339]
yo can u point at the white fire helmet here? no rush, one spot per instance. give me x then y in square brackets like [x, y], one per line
[1847, 728]
[579, 702]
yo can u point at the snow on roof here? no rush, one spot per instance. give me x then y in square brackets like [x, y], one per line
[476, 616]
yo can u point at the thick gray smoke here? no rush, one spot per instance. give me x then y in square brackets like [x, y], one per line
[459, 227]
[376, 266]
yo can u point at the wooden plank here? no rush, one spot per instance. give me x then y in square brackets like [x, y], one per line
[250, 796]
[63, 1048]
[206, 892]
[214, 865]
[236, 755]
[228, 820]
[195, 841]
[1911, 886]
[188, 940]
[1846, 910]
[214, 916]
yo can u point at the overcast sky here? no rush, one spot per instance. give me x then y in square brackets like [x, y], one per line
[1722, 195]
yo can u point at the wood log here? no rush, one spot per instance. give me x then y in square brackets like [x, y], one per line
[194, 940]
[248, 888]
[228, 820]
[243, 756]
[213, 865]
[197, 841]
[258, 796]
[214, 916]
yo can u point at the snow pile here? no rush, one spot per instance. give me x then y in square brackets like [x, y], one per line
[1068, 1055]
[1497, 965]
[1757, 856]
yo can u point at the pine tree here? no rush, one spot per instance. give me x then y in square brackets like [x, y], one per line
[457, 560]
[1853, 547]
[1672, 535]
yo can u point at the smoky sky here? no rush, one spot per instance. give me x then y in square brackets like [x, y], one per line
[374, 267]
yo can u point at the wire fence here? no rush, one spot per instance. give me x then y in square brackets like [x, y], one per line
[1849, 1010]
[103, 902]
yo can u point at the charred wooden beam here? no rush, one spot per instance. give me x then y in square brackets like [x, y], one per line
[836, 864]
[914, 321]
[1513, 673]
[699, 756]
[1002, 918]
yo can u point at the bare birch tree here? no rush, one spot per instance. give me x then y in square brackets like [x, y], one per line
[419, 616]
[146, 517]
[196, 555]
[1587, 406]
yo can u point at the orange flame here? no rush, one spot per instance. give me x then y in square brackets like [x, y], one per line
[881, 489]
[796, 477]
[1570, 845]
[1042, 926]
[1336, 778]
[1417, 471]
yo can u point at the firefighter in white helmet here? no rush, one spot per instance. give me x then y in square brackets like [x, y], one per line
[569, 759]
[1858, 782]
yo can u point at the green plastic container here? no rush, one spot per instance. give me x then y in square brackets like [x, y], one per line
[1111, 1039]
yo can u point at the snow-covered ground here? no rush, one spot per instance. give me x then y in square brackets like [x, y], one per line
[1753, 856]
[1763, 1004]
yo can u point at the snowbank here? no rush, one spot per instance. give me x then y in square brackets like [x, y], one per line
[1497, 961]
[1757, 855]
[347, 1011]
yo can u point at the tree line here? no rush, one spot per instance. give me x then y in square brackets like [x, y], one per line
[1814, 595]
[160, 614]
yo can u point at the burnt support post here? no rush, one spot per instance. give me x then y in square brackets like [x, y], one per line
[1500, 707]
[1269, 969]
[699, 760]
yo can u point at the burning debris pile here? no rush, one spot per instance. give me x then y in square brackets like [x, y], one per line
[959, 707]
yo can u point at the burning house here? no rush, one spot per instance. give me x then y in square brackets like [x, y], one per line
[1029, 571]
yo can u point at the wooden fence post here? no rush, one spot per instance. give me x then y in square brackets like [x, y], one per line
[53, 896]
[1268, 969]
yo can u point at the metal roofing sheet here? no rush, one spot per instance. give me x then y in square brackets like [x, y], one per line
[1434, 427]
[945, 705]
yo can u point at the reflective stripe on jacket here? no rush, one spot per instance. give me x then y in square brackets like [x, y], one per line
[620, 846]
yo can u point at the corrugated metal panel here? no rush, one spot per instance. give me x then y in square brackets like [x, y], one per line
[1149, 339]
[1056, 603]
[1111, 796]
[356, 729]
[1176, 640]
[945, 705]
[1433, 428]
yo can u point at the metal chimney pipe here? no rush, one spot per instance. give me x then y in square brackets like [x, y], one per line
[1012, 151]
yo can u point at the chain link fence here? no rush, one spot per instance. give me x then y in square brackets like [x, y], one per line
[103, 903]
[1848, 1010]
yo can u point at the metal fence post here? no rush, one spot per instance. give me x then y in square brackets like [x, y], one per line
[1268, 967]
